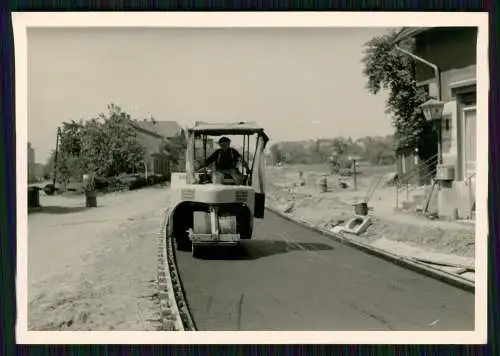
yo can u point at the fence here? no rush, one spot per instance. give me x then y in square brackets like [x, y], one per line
[421, 173]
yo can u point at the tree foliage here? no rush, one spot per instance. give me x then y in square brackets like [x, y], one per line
[105, 145]
[377, 150]
[387, 68]
[276, 154]
[174, 149]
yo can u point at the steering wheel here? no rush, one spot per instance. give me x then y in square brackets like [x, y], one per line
[203, 176]
[247, 175]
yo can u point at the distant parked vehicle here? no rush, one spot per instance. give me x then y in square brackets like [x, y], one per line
[49, 189]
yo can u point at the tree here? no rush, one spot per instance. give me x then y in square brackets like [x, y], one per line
[68, 167]
[174, 149]
[387, 68]
[110, 144]
[377, 150]
[70, 138]
[105, 146]
[276, 154]
[340, 146]
[335, 151]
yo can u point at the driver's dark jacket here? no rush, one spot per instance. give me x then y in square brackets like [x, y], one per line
[224, 160]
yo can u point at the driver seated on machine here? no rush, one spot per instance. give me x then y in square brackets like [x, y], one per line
[225, 160]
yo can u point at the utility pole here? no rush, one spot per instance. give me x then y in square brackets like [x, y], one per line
[55, 157]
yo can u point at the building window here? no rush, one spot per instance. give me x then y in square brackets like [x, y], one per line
[468, 99]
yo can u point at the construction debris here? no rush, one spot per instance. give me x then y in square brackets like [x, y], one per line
[289, 207]
[356, 225]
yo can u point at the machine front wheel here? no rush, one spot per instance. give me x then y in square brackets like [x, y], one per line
[201, 222]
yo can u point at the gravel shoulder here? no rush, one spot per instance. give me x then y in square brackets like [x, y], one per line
[95, 269]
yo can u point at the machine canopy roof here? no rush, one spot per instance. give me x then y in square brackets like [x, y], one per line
[230, 128]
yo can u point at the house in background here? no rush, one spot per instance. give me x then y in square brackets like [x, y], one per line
[38, 170]
[452, 52]
[198, 147]
[31, 163]
[151, 135]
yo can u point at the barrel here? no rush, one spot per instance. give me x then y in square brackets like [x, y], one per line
[361, 208]
[323, 184]
[33, 197]
[91, 201]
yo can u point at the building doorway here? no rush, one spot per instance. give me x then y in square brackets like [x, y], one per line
[469, 139]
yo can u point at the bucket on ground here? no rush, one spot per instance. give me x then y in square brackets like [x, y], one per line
[323, 184]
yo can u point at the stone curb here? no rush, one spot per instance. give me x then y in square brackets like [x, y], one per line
[418, 267]
[184, 313]
[169, 312]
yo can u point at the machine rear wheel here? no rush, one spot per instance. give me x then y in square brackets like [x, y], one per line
[228, 224]
[202, 224]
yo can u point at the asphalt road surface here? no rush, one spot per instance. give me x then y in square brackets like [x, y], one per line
[291, 278]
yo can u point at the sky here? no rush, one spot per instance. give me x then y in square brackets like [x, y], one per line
[298, 83]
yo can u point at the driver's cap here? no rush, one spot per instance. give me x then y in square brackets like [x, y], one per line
[224, 139]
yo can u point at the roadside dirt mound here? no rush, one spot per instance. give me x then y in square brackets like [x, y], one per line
[456, 242]
[327, 211]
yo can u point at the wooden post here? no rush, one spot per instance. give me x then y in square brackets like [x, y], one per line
[397, 197]
[55, 157]
[354, 174]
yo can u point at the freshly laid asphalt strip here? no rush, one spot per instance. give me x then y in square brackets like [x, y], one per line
[288, 277]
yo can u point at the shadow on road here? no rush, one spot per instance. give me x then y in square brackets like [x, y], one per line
[57, 209]
[253, 250]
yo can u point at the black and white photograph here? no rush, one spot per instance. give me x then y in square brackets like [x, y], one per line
[311, 178]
